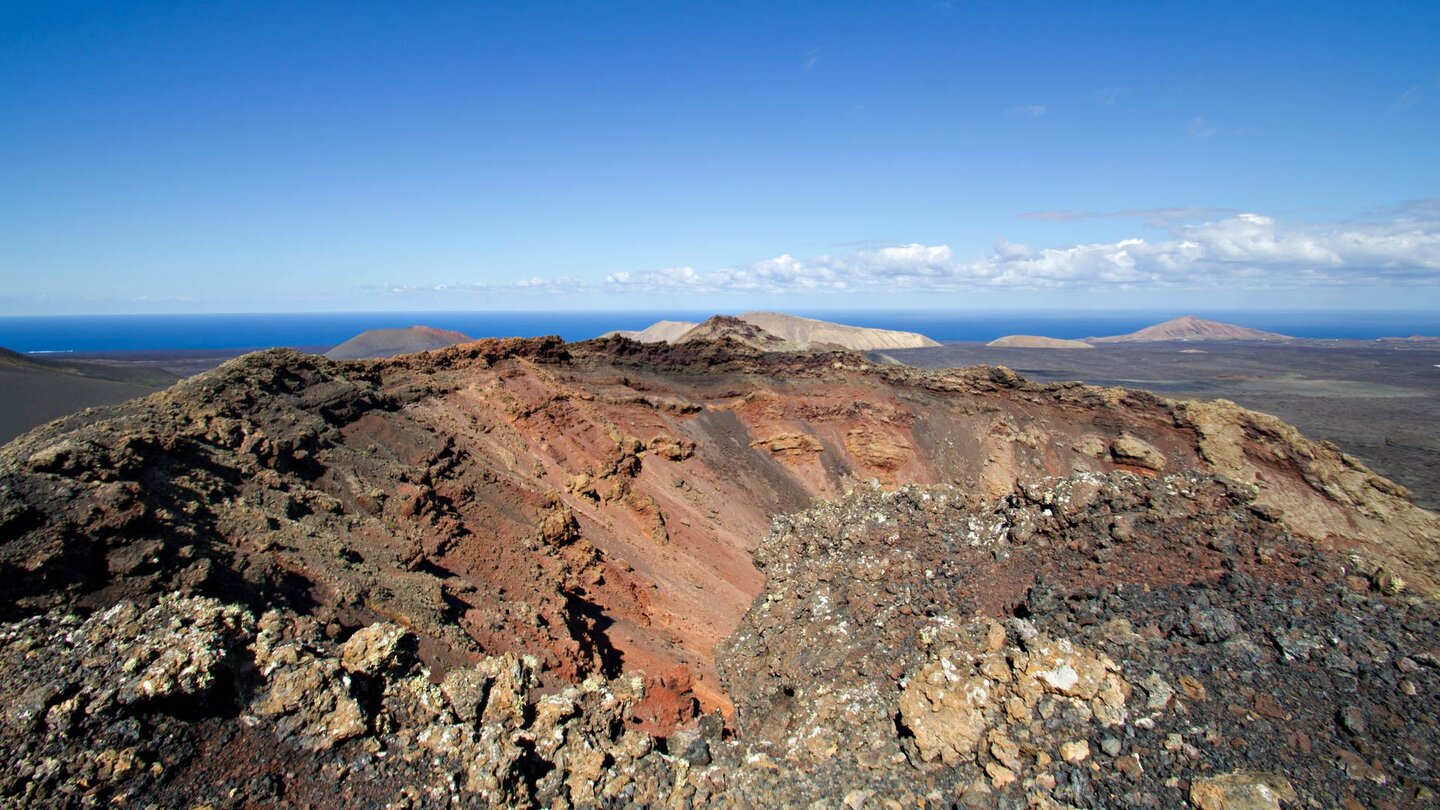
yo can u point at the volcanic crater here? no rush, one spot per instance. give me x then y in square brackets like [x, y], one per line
[623, 546]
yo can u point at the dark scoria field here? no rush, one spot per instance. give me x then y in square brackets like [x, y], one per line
[496, 575]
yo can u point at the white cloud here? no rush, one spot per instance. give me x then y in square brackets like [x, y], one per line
[812, 58]
[1199, 249]
[1201, 129]
[1243, 251]
[1027, 110]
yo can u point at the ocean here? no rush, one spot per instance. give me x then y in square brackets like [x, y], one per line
[104, 333]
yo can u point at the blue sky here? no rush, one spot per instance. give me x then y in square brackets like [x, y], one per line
[190, 157]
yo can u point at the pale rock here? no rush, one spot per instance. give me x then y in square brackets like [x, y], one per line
[1108, 704]
[1005, 750]
[995, 668]
[1000, 776]
[1131, 449]
[1244, 790]
[1159, 692]
[1065, 669]
[511, 678]
[374, 649]
[994, 636]
[313, 702]
[947, 718]
[1091, 445]
[1075, 752]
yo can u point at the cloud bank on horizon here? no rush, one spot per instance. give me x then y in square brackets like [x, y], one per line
[1200, 249]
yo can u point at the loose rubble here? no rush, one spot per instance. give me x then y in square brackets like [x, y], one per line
[869, 673]
[1106, 641]
[193, 702]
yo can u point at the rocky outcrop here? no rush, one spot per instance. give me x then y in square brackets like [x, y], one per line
[792, 447]
[723, 328]
[1353, 501]
[878, 450]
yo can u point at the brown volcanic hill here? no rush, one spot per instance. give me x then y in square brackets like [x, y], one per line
[794, 333]
[595, 505]
[381, 343]
[723, 327]
[658, 332]
[35, 390]
[1188, 327]
[809, 332]
[1037, 342]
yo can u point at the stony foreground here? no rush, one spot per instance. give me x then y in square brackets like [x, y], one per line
[1109, 641]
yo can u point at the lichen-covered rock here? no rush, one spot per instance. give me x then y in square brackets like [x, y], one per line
[377, 648]
[510, 677]
[466, 689]
[1092, 445]
[1058, 666]
[671, 448]
[174, 655]
[180, 660]
[310, 699]
[946, 710]
[309, 696]
[354, 724]
[965, 695]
